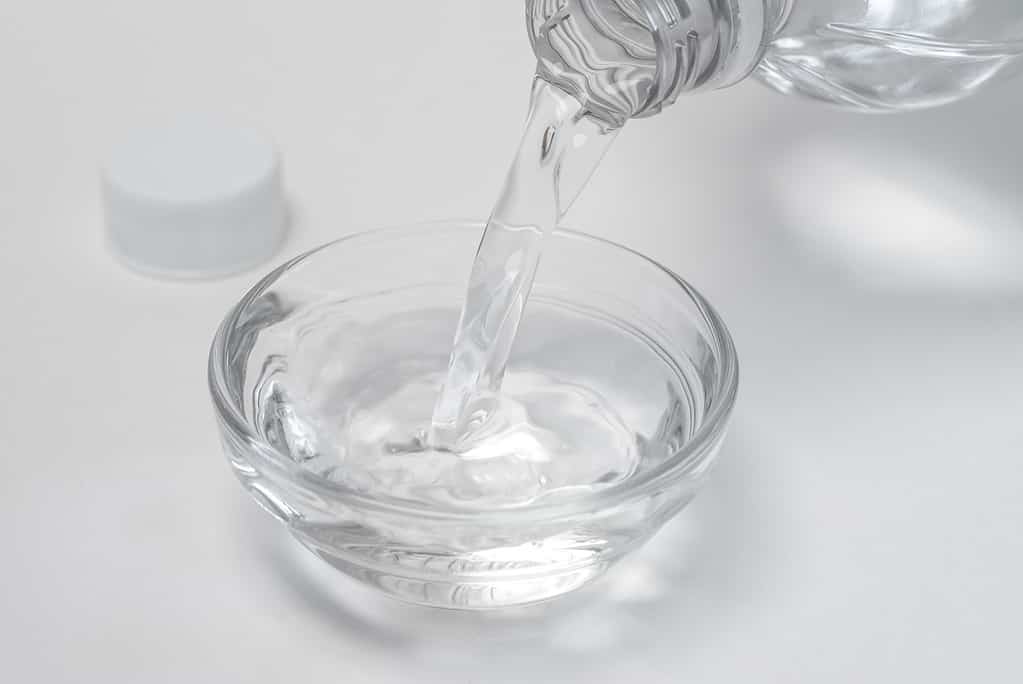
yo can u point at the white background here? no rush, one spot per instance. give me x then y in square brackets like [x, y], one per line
[864, 524]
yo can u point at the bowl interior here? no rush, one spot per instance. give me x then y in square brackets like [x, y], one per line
[331, 362]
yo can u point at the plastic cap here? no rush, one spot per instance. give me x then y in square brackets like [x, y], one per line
[196, 198]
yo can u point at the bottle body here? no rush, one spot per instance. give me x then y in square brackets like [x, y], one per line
[897, 55]
[629, 58]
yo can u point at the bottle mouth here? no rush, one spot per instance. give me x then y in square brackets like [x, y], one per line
[603, 52]
[630, 58]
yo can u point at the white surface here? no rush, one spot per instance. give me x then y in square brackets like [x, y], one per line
[865, 521]
[193, 196]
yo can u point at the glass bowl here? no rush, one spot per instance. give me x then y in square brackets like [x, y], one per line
[307, 370]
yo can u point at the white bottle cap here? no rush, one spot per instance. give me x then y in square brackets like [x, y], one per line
[195, 198]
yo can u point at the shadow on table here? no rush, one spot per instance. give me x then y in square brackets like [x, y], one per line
[918, 204]
[700, 571]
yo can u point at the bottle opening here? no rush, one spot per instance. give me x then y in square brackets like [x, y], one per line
[630, 58]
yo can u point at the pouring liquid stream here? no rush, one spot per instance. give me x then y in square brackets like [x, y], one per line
[559, 151]
[422, 420]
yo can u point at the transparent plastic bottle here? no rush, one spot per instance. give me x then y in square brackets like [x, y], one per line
[631, 58]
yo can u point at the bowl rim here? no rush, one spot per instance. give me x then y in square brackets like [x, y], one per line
[688, 458]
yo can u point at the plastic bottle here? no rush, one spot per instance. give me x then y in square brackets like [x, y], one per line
[631, 58]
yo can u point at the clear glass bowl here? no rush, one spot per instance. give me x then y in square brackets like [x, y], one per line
[314, 349]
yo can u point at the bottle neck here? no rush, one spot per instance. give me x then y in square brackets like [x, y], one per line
[630, 58]
[707, 44]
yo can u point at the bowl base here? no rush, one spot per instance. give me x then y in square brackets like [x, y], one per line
[466, 593]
